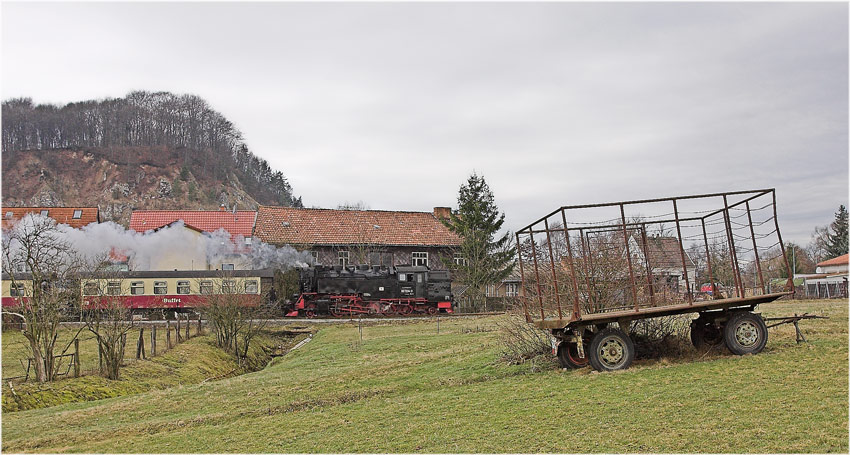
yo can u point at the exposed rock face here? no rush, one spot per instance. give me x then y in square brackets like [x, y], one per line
[56, 178]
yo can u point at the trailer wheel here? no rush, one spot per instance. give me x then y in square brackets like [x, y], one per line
[568, 356]
[611, 349]
[745, 333]
[705, 333]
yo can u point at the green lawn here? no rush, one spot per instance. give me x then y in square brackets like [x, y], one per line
[409, 389]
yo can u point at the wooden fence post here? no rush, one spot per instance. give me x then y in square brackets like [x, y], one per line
[199, 324]
[153, 341]
[140, 345]
[178, 329]
[99, 356]
[123, 345]
[168, 334]
[187, 326]
[76, 357]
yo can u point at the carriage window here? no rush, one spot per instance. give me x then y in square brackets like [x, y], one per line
[405, 277]
[206, 287]
[17, 290]
[343, 258]
[77, 214]
[160, 287]
[251, 287]
[419, 258]
[228, 286]
[113, 288]
[182, 287]
[90, 288]
[137, 287]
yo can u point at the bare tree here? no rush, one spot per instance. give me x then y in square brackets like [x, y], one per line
[107, 318]
[41, 266]
[233, 317]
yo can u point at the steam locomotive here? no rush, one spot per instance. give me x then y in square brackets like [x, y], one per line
[371, 290]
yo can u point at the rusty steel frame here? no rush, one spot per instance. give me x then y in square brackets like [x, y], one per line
[585, 247]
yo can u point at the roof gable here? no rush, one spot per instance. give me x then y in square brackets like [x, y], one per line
[288, 225]
[840, 260]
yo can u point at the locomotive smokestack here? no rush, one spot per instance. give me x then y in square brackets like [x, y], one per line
[442, 212]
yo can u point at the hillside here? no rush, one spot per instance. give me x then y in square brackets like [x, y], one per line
[143, 151]
[410, 388]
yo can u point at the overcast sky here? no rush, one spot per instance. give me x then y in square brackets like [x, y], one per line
[554, 103]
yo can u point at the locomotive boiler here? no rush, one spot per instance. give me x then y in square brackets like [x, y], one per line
[344, 291]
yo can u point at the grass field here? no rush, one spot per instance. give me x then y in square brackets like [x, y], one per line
[408, 389]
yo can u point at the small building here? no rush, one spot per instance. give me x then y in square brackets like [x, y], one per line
[199, 223]
[830, 278]
[374, 237]
[76, 217]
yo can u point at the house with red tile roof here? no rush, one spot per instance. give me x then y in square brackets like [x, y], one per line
[348, 237]
[830, 278]
[835, 265]
[76, 217]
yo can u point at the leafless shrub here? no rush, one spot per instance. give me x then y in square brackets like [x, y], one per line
[234, 320]
[107, 317]
[667, 336]
[522, 341]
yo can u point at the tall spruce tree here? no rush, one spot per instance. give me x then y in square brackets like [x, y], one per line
[837, 240]
[484, 259]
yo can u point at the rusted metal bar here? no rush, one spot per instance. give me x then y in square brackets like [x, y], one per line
[618, 226]
[576, 307]
[789, 286]
[523, 297]
[733, 254]
[584, 253]
[537, 277]
[682, 253]
[755, 248]
[629, 257]
[708, 259]
[645, 201]
[648, 266]
[742, 201]
[552, 263]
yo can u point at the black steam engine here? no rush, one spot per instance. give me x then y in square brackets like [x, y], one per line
[377, 290]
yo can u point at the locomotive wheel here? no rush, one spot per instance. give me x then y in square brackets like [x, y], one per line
[432, 310]
[311, 313]
[568, 356]
[335, 310]
[405, 310]
[611, 349]
[705, 333]
[373, 308]
[745, 333]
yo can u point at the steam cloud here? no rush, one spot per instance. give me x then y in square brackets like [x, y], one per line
[144, 249]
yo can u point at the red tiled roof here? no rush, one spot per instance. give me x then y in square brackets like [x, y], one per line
[62, 215]
[840, 260]
[239, 223]
[287, 225]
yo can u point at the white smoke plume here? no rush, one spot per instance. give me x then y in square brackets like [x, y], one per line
[145, 250]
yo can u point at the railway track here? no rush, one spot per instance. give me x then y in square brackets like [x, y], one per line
[331, 320]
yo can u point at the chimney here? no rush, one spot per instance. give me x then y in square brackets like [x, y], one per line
[222, 208]
[442, 212]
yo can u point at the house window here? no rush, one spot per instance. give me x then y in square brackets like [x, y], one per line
[248, 240]
[343, 258]
[90, 288]
[491, 290]
[460, 260]
[17, 290]
[44, 212]
[511, 290]
[182, 287]
[137, 287]
[77, 214]
[227, 267]
[315, 255]
[206, 287]
[113, 288]
[228, 286]
[160, 287]
[8, 215]
[251, 287]
[419, 258]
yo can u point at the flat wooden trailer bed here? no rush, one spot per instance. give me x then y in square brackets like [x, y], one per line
[598, 264]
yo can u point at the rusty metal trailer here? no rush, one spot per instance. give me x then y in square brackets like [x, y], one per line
[584, 267]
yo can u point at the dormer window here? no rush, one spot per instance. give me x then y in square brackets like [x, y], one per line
[8, 215]
[77, 214]
[44, 212]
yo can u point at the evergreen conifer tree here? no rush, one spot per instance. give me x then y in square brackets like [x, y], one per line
[837, 240]
[482, 258]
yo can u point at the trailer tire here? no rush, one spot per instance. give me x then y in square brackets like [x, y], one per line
[611, 349]
[568, 356]
[704, 333]
[745, 333]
